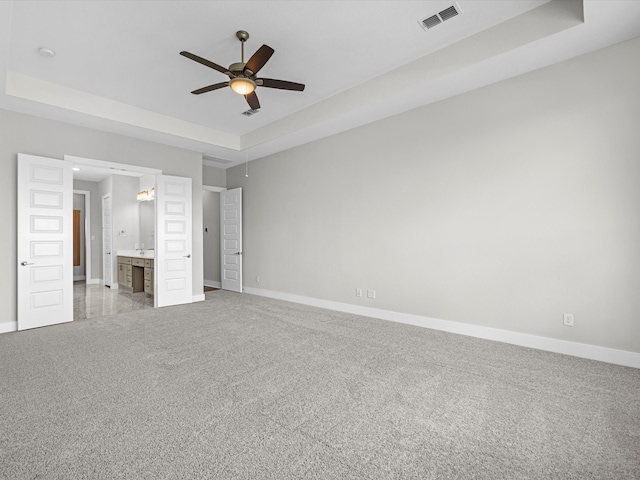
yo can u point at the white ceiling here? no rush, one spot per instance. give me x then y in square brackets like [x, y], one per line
[117, 65]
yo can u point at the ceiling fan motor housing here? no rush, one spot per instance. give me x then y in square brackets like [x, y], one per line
[242, 81]
[237, 68]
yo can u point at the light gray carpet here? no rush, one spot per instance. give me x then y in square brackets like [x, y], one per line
[243, 387]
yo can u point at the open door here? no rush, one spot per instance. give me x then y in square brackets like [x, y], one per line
[231, 241]
[173, 260]
[45, 241]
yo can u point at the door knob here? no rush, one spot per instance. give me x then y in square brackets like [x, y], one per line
[188, 256]
[24, 264]
[238, 253]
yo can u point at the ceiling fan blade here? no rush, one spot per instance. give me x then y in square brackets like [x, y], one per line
[210, 88]
[258, 59]
[252, 100]
[281, 84]
[206, 62]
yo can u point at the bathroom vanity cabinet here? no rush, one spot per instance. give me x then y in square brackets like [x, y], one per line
[136, 274]
[148, 276]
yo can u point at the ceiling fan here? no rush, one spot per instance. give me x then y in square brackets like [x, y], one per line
[242, 76]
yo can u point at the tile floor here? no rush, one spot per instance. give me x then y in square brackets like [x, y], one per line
[93, 301]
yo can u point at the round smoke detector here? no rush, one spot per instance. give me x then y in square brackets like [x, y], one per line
[46, 52]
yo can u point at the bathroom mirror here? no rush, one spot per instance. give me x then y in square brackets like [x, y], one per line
[147, 224]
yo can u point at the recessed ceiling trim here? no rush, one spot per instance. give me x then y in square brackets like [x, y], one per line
[538, 23]
[332, 115]
[215, 162]
[29, 88]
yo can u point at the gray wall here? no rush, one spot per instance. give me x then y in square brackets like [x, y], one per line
[213, 176]
[21, 133]
[503, 207]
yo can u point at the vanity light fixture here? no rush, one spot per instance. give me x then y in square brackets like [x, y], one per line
[146, 195]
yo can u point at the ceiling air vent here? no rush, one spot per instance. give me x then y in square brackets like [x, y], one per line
[432, 21]
[448, 13]
[250, 112]
[438, 18]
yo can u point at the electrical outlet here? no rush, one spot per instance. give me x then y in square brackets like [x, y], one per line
[567, 319]
[371, 294]
[358, 292]
[257, 278]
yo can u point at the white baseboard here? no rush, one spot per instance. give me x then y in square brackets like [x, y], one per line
[7, 327]
[583, 350]
[198, 298]
[212, 283]
[93, 281]
[78, 277]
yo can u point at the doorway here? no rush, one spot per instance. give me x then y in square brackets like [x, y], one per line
[211, 236]
[45, 233]
[222, 229]
[82, 236]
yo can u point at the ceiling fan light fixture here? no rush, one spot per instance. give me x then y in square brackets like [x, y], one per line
[242, 85]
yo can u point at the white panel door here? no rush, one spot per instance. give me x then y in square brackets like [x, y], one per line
[231, 239]
[107, 239]
[45, 241]
[173, 262]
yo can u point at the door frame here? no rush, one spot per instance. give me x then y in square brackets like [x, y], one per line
[113, 284]
[118, 168]
[125, 169]
[211, 283]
